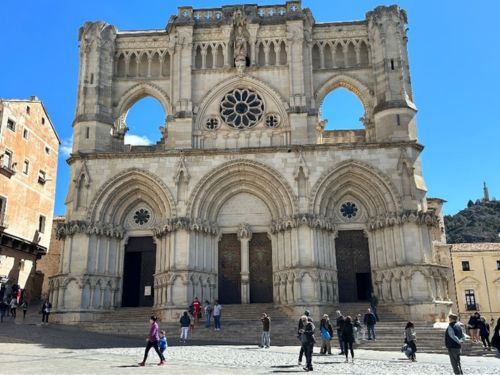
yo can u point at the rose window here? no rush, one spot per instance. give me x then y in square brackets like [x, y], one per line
[348, 210]
[141, 216]
[241, 108]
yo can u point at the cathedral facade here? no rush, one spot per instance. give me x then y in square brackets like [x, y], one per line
[247, 198]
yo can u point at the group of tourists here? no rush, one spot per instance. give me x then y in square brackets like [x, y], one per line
[349, 331]
[476, 327]
[194, 314]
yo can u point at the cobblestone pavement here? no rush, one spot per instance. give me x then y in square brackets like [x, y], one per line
[30, 348]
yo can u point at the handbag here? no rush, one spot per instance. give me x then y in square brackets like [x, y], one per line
[325, 335]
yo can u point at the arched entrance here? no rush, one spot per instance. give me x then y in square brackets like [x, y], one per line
[138, 269]
[353, 265]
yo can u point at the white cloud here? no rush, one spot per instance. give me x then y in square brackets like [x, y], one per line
[66, 146]
[137, 140]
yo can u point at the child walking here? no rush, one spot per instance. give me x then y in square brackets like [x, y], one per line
[163, 342]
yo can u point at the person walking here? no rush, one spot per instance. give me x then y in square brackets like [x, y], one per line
[13, 307]
[196, 309]
[162, 343]
[217, 315]
[495, 340]
[358, 328]
[24, 306]
[453, 341]
[410, 340]
[207, 310]
[300, 331]
[152, 342]
[46, 308]
[326, 330]
[348, 338]
[185, 324]
[370, 320]
[265, 340]
[307, 340]
[3, 309]
[374, 304]
[484, 333]
[473, 326]
[339, 323]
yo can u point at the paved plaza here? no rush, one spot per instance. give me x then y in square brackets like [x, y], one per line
[30, 348]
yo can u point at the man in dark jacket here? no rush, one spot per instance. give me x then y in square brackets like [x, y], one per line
[300, 329]
[453, 339]
[308, 340]
[370, 320]
[340, 327]
[265, 341]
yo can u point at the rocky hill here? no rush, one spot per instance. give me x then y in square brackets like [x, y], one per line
[479, 222]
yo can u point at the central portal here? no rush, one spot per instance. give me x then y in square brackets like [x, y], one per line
[353, 266]
[261, 269]
[257, 281]
[138, 270]
[229, 269]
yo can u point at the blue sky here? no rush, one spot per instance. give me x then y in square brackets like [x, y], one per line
[454, 63]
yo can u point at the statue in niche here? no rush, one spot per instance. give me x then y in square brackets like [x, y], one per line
[240, 41]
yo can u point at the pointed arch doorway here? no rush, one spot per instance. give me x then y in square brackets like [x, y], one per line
[138, 270]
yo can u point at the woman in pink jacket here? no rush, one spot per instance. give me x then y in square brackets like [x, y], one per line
[152, 341]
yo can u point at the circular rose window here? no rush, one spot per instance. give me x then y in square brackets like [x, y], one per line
[241, 108]
[349, 210]
[141, 216]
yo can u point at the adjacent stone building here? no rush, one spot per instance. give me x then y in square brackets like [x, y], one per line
[247, 198]
[28, 165]
[476, 267]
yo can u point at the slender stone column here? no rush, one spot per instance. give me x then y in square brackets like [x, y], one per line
[244, 235]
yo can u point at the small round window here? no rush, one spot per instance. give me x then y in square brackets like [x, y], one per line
[212, 123]
[141, 216]
[272, 120]
[348, 210]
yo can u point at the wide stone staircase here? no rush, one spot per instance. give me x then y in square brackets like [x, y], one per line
[241, 325]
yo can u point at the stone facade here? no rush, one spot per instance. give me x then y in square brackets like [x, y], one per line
[49, 264]
[476, 267]
[28, 165]
[244, 151]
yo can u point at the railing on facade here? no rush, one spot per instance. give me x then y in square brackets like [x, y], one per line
[472, 307]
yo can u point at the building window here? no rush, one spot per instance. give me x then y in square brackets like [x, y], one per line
[3, 206]
[465, 266]
[7, 159]
[26, 134]
[42, 177]
[26, 167]
[41, 224]
[11, 125]
[47, 150]
[498, 265]
[43, 120]
[87, 133]
[28, 109]
[470, 300]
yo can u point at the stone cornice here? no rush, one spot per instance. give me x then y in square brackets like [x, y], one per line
[390, 219]
[80, 226]
[154, 152]
[295, 221]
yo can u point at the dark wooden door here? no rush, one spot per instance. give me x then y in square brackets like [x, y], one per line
[353, 266]
[138, 271]
[261, 269]
[229, 269]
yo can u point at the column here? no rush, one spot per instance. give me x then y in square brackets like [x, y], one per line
[244, 235]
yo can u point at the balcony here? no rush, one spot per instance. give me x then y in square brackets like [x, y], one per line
[472, 307]
[8, 170]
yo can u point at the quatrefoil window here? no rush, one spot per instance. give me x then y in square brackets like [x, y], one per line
[242, 108]
[212, 123]
[272, 120]
[141, 216]
[348, 209]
